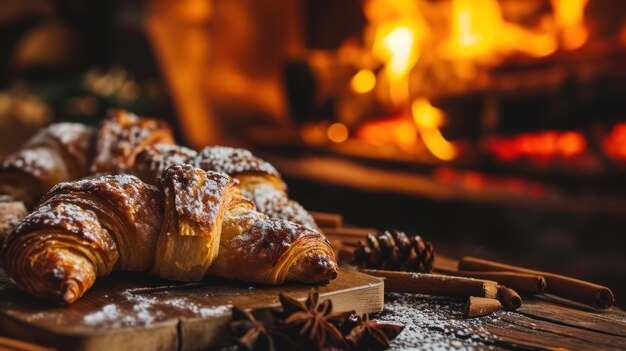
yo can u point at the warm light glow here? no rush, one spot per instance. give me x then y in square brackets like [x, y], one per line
[615, 143]
[363, 82]
[396, 33]
[397, 44]
[540, 146]
[571, 144]
[426, 115]
[569, 16]
[399, 131]
[428, 119]
[479, 31]
[337, 132]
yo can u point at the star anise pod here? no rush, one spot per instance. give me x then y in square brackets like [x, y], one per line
[315, 322]
[372, 335]
[253, 334]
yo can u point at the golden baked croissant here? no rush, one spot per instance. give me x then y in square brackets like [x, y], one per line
[195, 206]
[265, 250]
[211, 213]
[258, 180]
[155, 159]
[198, 225]
[122, 135]
[57, 153]
[81, 230]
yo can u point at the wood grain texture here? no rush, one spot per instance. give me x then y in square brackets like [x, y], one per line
[139, 312]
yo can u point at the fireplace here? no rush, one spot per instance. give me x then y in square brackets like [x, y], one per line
[494, 127]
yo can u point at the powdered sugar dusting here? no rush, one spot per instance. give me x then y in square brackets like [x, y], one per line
[432, 323]
[232, 161]
[198, 195]
[276, 204]
[121, 136]
[155, 159]
[38, 162]
[147, 310]
[108, 313]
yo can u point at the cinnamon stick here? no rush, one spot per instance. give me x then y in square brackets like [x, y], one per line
[327, 220]
[509, 298]
[573, 289]
[522, 282]
[481, 306]
[435, 284]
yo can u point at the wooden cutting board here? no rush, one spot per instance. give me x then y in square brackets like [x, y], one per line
[133, 311]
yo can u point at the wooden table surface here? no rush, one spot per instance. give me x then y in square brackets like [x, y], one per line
[544, 322]
[134, 311]
[540, 324]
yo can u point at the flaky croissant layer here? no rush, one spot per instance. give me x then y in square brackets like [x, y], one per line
[197, 224]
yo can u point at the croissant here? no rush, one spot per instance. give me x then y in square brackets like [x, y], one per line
[122, 135]
[198, 224]
[252, 247]
[195, 207]
[81, 230]
[57, 153]
[258, 180]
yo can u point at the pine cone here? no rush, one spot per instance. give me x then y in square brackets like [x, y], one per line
[395, 251]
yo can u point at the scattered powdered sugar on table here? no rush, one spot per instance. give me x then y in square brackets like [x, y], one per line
[149, 309]
[431, 323]
[184, 304]
[143, 306]
[108, 313]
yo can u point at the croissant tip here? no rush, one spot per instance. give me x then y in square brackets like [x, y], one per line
[68, 296]
[334, 272]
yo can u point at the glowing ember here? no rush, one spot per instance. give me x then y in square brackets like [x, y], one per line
[399, 131]
[477, 181]
[543, 146]
[615, 143]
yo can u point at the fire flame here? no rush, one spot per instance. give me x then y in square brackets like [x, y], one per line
[428, 119]
[569, 16]
[397, 32]
[397, 44]
[400, 36]
[399, 131]
[479, 31]
[403, 131]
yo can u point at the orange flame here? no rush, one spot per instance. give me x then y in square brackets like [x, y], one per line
[397, 32]
[569, 16]
[399, 131]
[428, 119]
[479, 31]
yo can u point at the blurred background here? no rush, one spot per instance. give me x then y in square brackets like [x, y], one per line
[494, 128]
